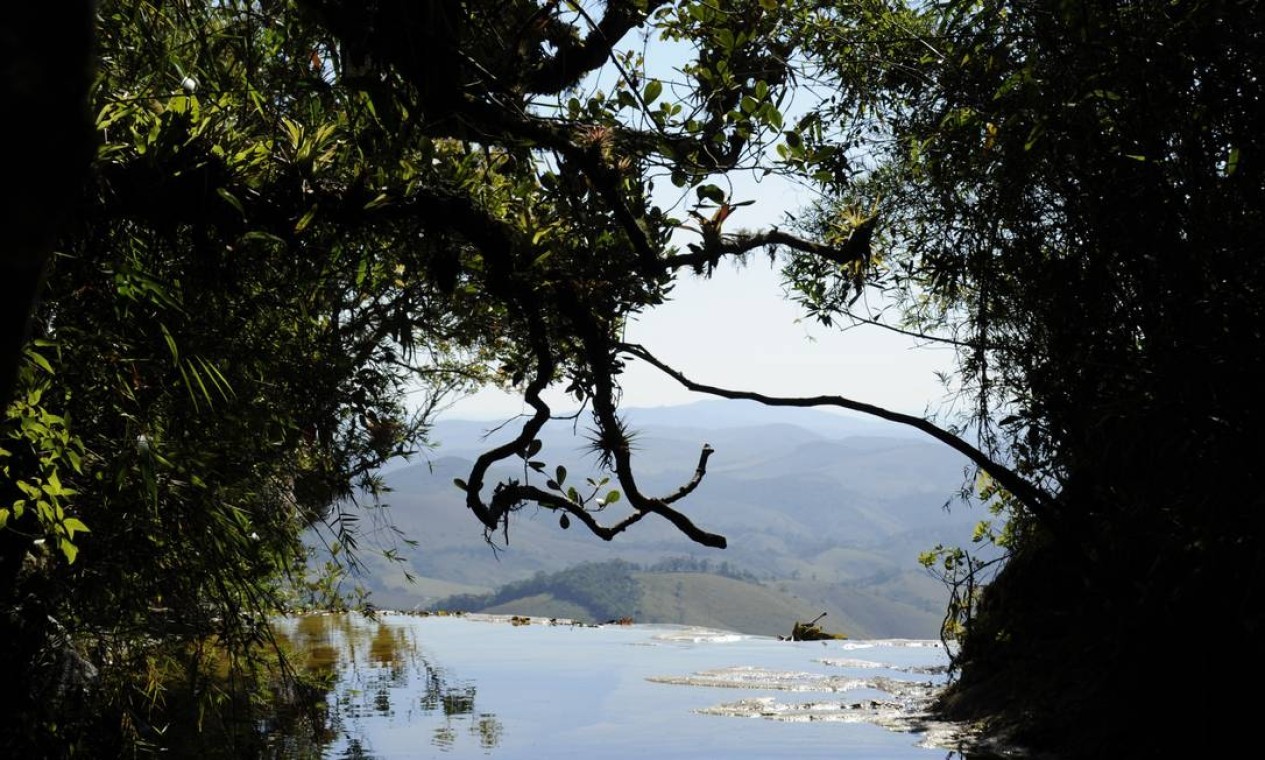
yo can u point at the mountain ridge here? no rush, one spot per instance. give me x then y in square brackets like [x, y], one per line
[802, 506]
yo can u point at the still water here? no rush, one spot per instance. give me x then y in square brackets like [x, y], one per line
[458, 687]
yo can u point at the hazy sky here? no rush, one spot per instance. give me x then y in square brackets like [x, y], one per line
[737, 331]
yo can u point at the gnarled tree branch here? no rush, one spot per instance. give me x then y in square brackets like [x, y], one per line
[498, 246]
[509, 496]
[600, 355]
[1035, 499]
[574, 59]
[716, 245]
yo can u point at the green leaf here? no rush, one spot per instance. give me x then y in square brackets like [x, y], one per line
[771, 116]
[70, 550]
[305, 220]
[654, 88]
[1232, 162]
[459, 483]
[710, 193]
[188, 370]
[264, 236]
[381, 199]
[74, 525]
[171, 343]
[53, 487]
[217, 378]
[232, 200]
[41, 361]
[611, 498]
[560, 474]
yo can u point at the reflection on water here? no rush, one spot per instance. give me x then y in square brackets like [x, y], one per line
[380, 674]
[447, 687]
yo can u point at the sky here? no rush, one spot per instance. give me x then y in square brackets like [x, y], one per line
[736, 330]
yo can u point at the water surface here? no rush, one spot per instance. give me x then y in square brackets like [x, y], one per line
[455, 687]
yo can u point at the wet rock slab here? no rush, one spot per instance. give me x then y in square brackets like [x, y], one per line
[763, 678]
[894, 703]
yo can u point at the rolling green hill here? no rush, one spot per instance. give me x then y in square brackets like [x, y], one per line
[702, 599]
[714, 601]
[828, 512]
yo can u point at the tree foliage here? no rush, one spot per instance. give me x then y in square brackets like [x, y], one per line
[607, 590]
[298, 211]
[1072, 194]
[221, 358]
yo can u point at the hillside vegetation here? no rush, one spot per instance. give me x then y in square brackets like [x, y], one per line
[615, 590]
[829, 514]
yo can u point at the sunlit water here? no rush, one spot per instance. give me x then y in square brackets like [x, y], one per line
[450, 687]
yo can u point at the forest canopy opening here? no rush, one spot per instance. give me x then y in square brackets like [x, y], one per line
[296, 211]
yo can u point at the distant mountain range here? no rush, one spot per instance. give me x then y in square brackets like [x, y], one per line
[828, 512]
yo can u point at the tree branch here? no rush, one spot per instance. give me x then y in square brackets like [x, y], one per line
[599, 355]
[511, 494]
[736, 245]
[497, 245]
[1035, 499]
[575, 59]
